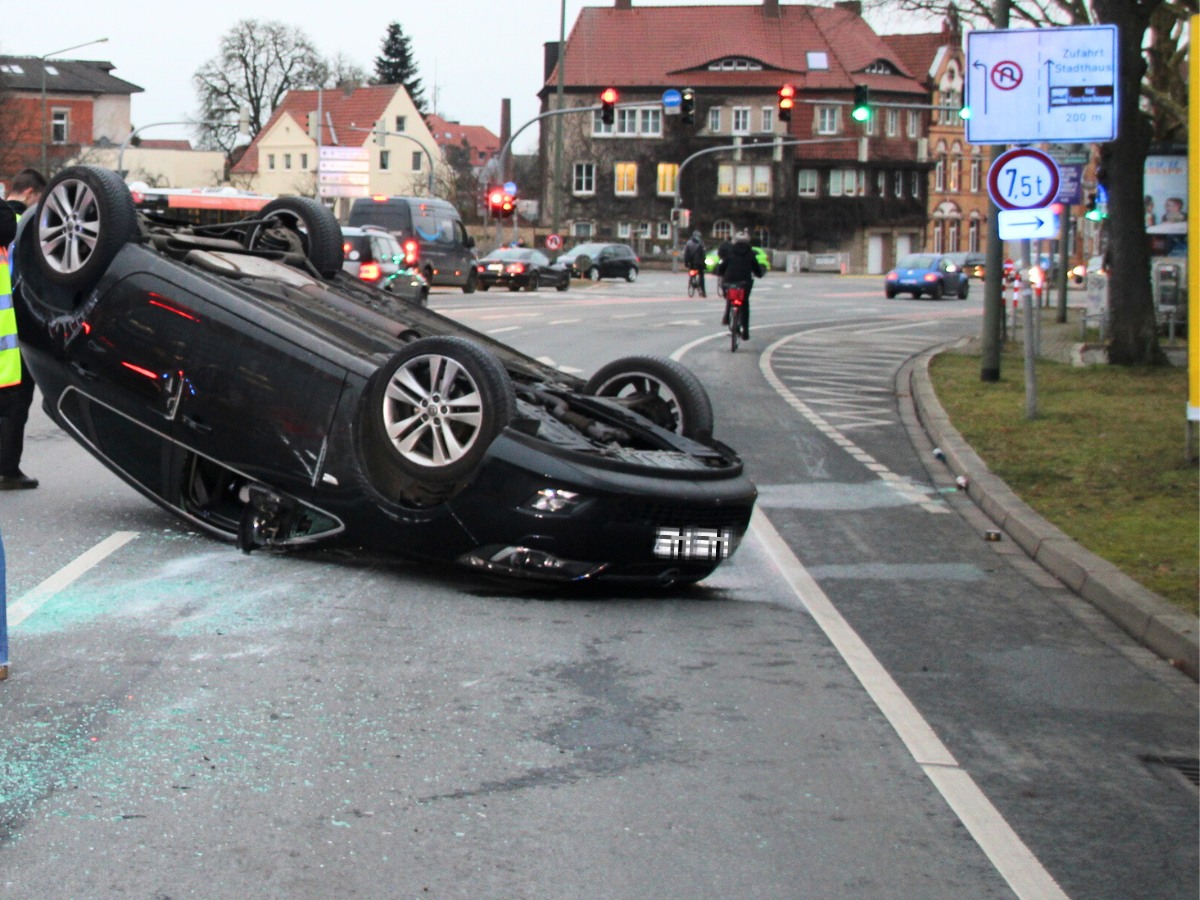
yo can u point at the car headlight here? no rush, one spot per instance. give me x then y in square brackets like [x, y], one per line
[554, 501]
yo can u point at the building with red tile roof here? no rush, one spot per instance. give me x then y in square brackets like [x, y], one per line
[481, 145]
[341, 158]
[820, 182]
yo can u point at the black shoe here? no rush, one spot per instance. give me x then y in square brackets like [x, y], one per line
[745, 335]
[18, 482]
[725, 321]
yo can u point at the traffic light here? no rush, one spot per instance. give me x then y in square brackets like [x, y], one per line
[964, 113]
[787, 102]
[687, 106]
[608, 101]
[508, 205]
[495, 199]
[862, 104]
[1096, 211]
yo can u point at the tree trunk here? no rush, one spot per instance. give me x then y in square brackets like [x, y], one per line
[1133, 330]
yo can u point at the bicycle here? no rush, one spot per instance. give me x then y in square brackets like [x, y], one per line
[736, 295]
[695, 283]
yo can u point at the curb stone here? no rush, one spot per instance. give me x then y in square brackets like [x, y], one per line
[1143, 614]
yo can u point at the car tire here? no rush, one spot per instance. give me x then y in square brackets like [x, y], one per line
[661, 389]
[964, 289]
[320, 235]
[891, 294]
[483, 286]
[593, 273]
[632, 274]
[77, 200]
[533, 284]
[935, 292]
[431, 413]
[564, 284]
[471, 283]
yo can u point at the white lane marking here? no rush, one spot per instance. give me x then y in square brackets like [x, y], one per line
[1014, 861]
[502, 330]
[35, 599]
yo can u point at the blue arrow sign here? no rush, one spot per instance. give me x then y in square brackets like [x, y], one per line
[1028, 224]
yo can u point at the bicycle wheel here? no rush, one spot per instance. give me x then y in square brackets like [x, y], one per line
[735, 327]
[691, 285]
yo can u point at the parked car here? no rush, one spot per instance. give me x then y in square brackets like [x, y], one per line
[974, 264]
[596, 261]
[521, 267]
[935, 274]
[376, 257]
[240, 378]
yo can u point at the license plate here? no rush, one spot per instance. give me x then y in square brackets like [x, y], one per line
[693, 543]
[495, 268]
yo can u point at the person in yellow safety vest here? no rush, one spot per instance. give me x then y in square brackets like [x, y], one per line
[16, 385]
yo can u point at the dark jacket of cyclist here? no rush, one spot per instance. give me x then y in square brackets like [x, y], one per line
[740, 267]
[693, 258]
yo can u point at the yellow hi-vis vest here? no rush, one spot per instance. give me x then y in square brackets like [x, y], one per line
[10, 354]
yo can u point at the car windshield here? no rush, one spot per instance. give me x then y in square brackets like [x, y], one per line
[917, 261]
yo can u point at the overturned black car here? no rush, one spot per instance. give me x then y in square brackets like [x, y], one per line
[236, 376]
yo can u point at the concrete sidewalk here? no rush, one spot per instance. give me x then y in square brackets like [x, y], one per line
[1146, 616]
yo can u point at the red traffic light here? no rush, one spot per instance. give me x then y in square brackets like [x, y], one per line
[787, 101]
[608, 95]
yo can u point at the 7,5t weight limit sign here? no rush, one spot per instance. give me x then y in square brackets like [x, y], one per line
[1023, 178]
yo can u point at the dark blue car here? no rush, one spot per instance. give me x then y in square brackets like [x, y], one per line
[935, 274]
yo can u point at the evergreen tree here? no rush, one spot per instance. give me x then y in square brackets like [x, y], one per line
[395, 65]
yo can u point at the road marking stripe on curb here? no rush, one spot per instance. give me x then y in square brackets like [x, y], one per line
[1014, 861]
[35, 599]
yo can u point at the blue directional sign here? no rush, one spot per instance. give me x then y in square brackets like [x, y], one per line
[671, 98]
[1028, 224]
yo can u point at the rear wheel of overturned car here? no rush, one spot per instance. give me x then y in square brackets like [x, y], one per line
[86, 215]
[664, 391]
[431, 413]
[300, 224]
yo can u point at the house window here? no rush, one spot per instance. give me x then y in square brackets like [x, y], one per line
[741, 120]
[668, 173]
[581, 229]
[385, 160]
[583, 181]
[954, 233]
[939, 238]
[722, 230]
[651, 122]
[270, 160]
[939, 175]
[828, 118]
[598, 126]
[401, 122]
[846, 183]
[624, 230]
[416, 161]
[915, 184]
[627, 121]
[881, 183]
[59, 126]
[973, 235]
[287, 160]
[871, 125]
[644, 230]
[892, 122]
[714, 119]
[953, 172]
[976, 174]
[914, 123]
[304, 161]
[898, 184]
[743, 180]
[664, 231]
[806, 182]
[626, 179]
[768, 119]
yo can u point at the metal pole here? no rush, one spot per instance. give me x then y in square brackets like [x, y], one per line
[993, 286]
[1031, 410]
[554, 193]
[1064, 254]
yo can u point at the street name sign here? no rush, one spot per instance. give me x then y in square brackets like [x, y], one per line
[1028, 224]
[1035, 85]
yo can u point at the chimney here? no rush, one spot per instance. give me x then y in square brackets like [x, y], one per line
[851, 6]
[549, 58]
[623, 4]
[771, 9]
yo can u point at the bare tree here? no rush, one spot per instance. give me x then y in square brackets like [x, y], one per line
[256, 65]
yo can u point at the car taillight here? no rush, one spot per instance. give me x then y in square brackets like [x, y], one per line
[515, 268]
[370, 271]
[929, 276]
[412, 252]
[892, 276]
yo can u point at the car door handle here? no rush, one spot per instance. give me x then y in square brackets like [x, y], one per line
[83, 371]
[197, 425]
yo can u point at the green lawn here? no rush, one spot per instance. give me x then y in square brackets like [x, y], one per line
[1104, 460]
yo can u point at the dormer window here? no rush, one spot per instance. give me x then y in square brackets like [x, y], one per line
[881, 67]
[735, 64]
[11, 69]
[818, 59]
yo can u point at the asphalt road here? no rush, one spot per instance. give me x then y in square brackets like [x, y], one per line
[868, 700]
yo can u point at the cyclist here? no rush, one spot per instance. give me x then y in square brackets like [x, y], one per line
[740, 267]
[693, 258]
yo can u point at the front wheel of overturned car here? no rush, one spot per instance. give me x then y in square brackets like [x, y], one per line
[86, 215]
[300, 224]
[664, 391]
[431, 413]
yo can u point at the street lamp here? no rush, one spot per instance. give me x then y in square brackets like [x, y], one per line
[43, 58]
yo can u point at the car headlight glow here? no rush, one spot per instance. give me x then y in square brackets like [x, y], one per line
[553, 500]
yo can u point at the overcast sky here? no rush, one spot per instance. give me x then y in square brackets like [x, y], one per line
[471, 53]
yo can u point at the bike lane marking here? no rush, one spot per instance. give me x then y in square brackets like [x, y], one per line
[36, 598]
[1012, 858]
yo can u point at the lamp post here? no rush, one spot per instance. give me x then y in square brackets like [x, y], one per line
[43, 58]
